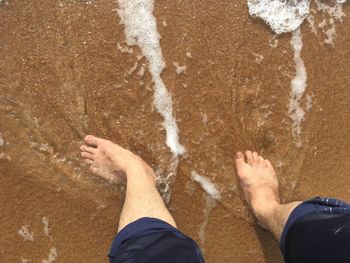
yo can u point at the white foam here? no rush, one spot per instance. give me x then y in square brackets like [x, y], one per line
[141, 29]
[44, 147]
[101, 204]
[258, 58]
[309, 103]
[298, 86]
[287, 15]
[207, 185]
[204, 118]
[26, 234]
[52, 257]
[281, 15]
[4, 156]
[133, 68]
[47, 230]
[311, 19]
[209, 205]
[274, 42]
[124, 49]
[166, 180]
[331, 34]
[190, 187]
[2, 141]
[24, 260]
[335, 13]
[179, 69]
[141, 72]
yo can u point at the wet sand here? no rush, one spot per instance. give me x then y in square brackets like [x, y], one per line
[62, 76]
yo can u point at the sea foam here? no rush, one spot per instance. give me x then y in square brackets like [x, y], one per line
[281, 15]
[207, 185]
[2, 141]
[141, 29]
[211, 198]
[287, 15]
[210, 203]
[52, 257]
[47, 230]
[335, 13]
[298, 86]
[26, 234]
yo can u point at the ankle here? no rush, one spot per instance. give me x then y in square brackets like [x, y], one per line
[265, 212]
[139, 171]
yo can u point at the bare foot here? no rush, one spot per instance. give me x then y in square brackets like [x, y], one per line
[260, 185]
[108, 160]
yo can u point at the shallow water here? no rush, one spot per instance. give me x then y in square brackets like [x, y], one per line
[67, 71]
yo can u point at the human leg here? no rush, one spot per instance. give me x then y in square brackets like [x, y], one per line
[314, 231]
[142, 199]
[260, 186]
[147, 231]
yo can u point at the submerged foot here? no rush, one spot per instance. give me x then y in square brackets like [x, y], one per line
[107, 159]
[260, 185]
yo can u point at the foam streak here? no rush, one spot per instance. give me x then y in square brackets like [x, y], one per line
[298, 86]
[207, 185]
[141, 30]
[210, 203]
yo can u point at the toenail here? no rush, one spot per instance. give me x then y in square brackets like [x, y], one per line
[239, 155]
[89, 139]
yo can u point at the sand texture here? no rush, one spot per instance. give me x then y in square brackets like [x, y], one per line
[66, 71]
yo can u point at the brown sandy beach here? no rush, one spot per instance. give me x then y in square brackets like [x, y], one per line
[62, 76]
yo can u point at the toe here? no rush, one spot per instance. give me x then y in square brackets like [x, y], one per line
[87, 155]
[249, 156]
[93, 169]
[88, 161]
[268, 164]
[256, 157]
[92, 140]
[240, 160]
[261, 160]
[85, 148]
[241, 165]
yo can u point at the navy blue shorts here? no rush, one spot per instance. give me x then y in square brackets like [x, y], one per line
[317, 231]
[152, 240]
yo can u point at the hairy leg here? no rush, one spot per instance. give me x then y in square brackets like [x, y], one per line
[260, 186]
[142, 197]
[111, 161]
